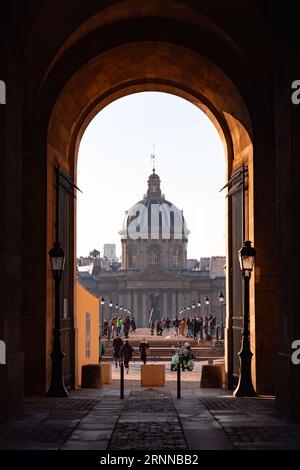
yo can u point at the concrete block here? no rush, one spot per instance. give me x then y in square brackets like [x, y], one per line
[153, 375]
[91, 376]
[106, 373]
[213, 376]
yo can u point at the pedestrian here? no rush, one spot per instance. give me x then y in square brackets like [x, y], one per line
[101, 349]
[159, 329]
[182, 325]
[133, 325]
[143, 350]
[117, 345]
[119, 325]
[126, 353]
[176, 326]
[126, 326]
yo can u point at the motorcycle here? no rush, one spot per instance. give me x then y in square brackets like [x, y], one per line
[180, 360]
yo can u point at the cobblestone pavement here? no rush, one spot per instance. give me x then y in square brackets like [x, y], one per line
[149, 421]
[149, 418]
[46, 423]
[253, 423]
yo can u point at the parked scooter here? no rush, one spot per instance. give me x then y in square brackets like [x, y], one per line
[183, 360]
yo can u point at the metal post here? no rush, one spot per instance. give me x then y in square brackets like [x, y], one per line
[121, 380]
[222, 324]
[57, 386]
[245, 387]
[178, 381]
[100, 332]
[102, 320]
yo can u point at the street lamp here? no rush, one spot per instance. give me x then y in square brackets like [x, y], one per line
[57, 386]
[110, 308]
[245, 387]
[199, 307]
[193, 308]
[102, 302]
[207, 304]
[221, 300]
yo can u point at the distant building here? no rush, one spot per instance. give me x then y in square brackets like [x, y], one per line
[216, 266]
[155, 279]
[109, 252]
[192, 264]
[204, 264]
[84, 261]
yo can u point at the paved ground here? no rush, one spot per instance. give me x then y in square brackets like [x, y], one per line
[149, 419]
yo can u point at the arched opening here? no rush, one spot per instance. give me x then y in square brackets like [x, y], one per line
[153, 66]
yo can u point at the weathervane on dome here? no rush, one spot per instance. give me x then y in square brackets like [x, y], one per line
[153, 159]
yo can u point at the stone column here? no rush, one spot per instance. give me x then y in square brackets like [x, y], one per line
[135, 307]
[11, 203]
[144, 313]
[139, 310]
[165, 304]
[174, 308]
[180, 300]
[128, 300]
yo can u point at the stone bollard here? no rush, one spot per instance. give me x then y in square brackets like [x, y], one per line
[106, 373]
[213, 376]
[91, 376]
[153, 375]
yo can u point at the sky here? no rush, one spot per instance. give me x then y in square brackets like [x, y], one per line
[114, 165]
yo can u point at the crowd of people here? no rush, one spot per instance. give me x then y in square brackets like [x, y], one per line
[118, 325]
[197, 328]
[123, 351]
[203, 328]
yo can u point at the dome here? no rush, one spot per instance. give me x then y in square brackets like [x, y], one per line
[154, 217]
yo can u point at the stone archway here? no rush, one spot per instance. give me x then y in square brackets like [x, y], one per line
[101, 52]
[149, 66]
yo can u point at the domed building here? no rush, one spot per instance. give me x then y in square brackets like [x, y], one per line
[153, 280]
[154, 233]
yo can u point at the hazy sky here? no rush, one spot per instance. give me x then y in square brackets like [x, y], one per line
[114, 165]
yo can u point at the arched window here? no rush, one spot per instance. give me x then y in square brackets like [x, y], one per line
[177, 259]
[132, 258]
[154, 256]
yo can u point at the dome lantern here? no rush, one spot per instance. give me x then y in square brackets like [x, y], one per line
[154, 190]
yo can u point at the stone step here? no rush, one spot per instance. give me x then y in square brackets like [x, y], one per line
[163, 343]
[163, 359]
[169, 351]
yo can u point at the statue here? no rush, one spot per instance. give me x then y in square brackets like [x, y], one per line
[154, 313]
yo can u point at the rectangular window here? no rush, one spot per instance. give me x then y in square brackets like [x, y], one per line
[154, 257]
[132, 258]
[177, 259]
[88, 335]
